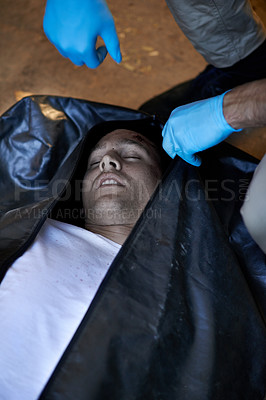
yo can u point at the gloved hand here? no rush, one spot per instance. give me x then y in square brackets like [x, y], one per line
[195, 127]
[73, 26]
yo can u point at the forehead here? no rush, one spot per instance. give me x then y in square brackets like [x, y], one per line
[124, 137]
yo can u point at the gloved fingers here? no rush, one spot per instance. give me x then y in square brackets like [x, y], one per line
[172, 148]
[93, 58]
[74, 58]
[168, 143]
[192, 159]
[111, 41]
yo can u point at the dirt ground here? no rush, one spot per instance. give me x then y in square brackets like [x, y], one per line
[156, 57]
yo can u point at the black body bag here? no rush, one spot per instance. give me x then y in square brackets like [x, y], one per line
[181, 312]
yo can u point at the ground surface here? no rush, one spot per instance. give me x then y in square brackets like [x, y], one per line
[156, 56]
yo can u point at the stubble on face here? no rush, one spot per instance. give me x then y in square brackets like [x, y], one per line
[134, 166]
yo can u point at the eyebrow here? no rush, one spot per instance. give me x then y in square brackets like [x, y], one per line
[123, 142]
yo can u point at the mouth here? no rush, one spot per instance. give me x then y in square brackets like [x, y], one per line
[109, 180]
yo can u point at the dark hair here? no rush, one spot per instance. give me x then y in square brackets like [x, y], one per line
[147, 127]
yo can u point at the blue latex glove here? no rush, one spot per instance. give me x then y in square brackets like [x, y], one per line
[73, 26]
[195, 127]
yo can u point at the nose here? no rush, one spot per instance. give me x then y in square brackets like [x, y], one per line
[109, 162]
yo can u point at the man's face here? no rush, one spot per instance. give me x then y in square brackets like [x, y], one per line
[123, 172]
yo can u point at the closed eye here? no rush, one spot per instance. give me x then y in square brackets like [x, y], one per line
[94, 164]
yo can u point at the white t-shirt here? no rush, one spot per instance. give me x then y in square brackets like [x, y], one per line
[43, 298]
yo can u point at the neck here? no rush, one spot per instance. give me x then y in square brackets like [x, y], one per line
[116, 233]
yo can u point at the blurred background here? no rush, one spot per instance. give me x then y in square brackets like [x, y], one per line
[156, 57]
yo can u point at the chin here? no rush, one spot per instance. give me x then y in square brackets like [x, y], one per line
[113, 214]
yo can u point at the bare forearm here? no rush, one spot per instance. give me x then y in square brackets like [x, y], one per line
[245, 105]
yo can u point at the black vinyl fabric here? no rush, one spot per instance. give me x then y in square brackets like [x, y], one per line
[181, 312]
